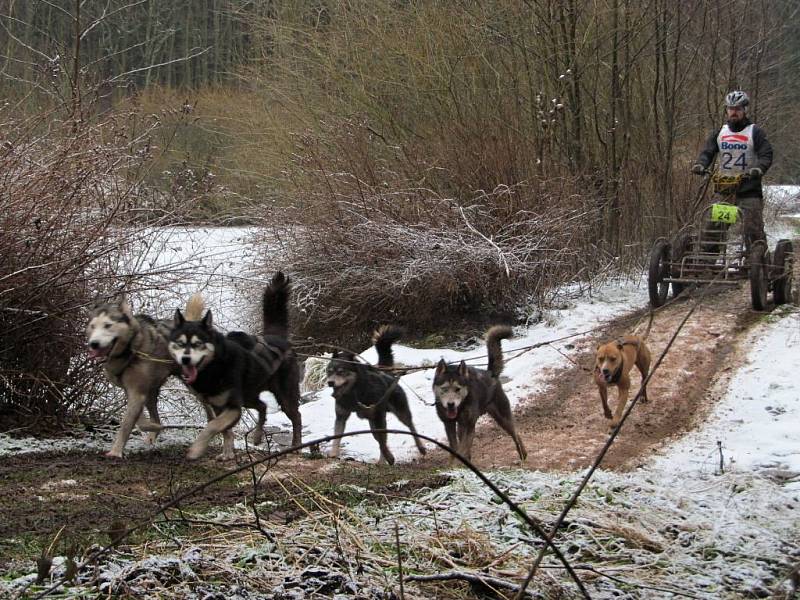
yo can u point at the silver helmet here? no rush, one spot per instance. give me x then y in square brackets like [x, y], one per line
[737, 98]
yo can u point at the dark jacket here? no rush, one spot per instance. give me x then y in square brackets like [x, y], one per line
[750, 188]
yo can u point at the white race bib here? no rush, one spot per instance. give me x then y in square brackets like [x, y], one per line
[736, 150]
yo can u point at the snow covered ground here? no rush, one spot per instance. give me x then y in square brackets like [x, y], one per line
[756, 419]
[713, 532]
[755, 433]
[521, 376]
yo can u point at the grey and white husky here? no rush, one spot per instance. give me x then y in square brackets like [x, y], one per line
[465, 393]
[136, 358]
[228, 372]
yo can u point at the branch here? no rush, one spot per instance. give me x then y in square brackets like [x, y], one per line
[169, 62]
[104, 16]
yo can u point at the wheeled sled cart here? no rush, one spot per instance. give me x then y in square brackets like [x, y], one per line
[712, 250]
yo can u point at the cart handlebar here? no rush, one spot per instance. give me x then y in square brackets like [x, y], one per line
[708, 173]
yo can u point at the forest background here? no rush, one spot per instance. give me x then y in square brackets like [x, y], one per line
[414, 159]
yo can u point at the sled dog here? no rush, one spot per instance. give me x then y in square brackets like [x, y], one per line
[228, 372]
[135, 357]
[465, 393]
[362, 389]
[612, 367]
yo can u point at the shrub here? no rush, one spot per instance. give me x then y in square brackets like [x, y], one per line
[68, 202]
[365, 245]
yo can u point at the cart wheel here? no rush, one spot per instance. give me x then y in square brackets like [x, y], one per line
[782, 268]
[758, 275]
[658, 271]
[681, 245]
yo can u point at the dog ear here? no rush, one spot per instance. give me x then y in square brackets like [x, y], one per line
[178, 318]
[463, 371]
[441, 366]
[125, 306]
[207, 321]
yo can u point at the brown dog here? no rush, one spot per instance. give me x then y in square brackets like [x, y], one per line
[613, 364]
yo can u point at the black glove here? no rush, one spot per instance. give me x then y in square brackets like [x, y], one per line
[698, 169]
[756, 173]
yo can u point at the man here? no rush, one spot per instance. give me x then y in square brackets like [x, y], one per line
[743, 149]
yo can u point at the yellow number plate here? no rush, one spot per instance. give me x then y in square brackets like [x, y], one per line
[724, 213]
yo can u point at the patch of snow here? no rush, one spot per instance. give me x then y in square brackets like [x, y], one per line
[755, 421]
[99, 440]
[521, 372]
[711, 536]
[51, 485]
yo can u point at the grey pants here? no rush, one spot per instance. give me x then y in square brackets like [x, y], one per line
[753, 220]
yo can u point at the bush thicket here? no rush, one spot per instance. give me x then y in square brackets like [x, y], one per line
[454, 158]
[72, 210]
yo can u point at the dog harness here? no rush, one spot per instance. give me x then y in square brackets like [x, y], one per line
[122, 359]
[617, 374]
[269, 353]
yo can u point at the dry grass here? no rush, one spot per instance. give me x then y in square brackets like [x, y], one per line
[229, 150]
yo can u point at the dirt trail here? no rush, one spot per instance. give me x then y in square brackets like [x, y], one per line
[563, 429]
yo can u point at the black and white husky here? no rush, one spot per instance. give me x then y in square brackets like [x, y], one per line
[465, 393]
[362, 389]
[133, 349]
[228, 372]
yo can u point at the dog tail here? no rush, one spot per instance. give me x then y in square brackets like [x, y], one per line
[493, 337]
[195, 308]
[383, 338]
[275, 306]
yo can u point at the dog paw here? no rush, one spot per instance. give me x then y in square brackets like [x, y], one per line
[224, 457]
[113, 454]
[195, 452]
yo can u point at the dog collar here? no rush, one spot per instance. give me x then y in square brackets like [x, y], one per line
[126, 351]
[125, 356]
[616, 376]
